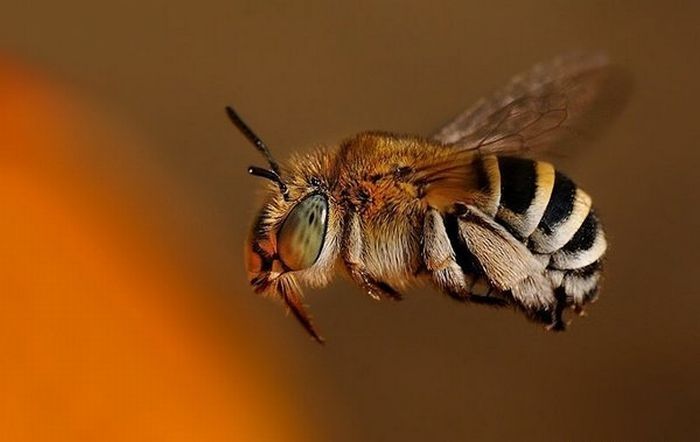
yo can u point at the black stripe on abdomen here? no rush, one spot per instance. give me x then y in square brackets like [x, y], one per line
[518, 183]
[585, 235]
[585, 247]
[526, 188]
[561, 203]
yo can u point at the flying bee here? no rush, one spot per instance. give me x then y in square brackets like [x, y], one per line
[466, 209]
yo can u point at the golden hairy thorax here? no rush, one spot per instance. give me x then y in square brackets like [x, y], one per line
[390, 181]
[383, 175]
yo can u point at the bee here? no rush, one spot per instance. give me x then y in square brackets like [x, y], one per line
[465, 209]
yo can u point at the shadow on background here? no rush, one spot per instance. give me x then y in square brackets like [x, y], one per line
[124, 309]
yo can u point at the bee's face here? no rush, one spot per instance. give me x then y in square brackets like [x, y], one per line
[286, 237]
[289, 239]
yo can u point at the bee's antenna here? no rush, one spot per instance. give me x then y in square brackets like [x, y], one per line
[272, 174]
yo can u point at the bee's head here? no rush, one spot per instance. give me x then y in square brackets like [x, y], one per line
[288, 234]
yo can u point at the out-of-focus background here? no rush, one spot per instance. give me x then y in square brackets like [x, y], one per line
[124, 203]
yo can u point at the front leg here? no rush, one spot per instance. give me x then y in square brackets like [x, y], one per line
[351, 253]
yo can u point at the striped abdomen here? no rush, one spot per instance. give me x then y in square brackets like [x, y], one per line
[546, 211]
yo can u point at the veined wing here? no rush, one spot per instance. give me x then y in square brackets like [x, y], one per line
[554, 102]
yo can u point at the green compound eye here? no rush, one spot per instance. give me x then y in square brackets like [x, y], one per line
[300, 239]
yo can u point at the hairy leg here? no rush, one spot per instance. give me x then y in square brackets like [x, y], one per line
[440, 261]
[351, 253]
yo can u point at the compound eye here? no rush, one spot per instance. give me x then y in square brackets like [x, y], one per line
[300, 239]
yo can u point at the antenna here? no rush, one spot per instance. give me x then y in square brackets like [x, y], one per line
[272, 174]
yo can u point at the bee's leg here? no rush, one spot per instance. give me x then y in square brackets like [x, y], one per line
[439, 257]
[440, 261]
[481, 292]
[557, 322]
[289, 292]
[351, 253]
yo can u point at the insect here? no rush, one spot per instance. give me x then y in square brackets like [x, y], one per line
[465, 209]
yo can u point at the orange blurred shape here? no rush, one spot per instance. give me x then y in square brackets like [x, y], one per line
[97, 341]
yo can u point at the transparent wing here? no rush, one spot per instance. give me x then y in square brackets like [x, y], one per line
[567, 99]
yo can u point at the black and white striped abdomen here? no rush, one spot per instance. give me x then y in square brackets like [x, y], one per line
[545, 210]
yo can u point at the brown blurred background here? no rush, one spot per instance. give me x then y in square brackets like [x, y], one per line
[158, 74]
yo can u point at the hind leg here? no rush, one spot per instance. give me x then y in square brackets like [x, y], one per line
[576, 288]
[557, 321]
[551, 317]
